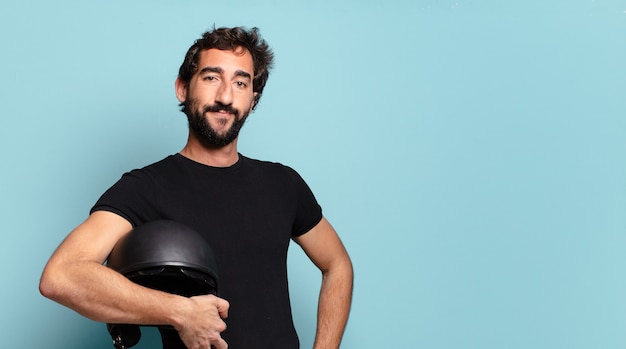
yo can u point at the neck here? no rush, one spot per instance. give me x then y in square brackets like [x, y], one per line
[210, 155]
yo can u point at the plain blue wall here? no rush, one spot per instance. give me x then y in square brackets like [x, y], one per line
[472, 155]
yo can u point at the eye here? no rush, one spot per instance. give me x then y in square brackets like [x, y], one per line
[210, 78]
[241, 84]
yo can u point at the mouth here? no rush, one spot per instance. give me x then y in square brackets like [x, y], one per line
[223, 112]
[221, 115]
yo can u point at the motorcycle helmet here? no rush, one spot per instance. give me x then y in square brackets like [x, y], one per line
[167, 256]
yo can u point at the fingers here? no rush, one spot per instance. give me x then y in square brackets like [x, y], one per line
[204, 323]
[222, 306]
[201, 341]
[220, 344]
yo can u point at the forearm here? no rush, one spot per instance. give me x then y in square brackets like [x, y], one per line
[102, 294]
[334, 305]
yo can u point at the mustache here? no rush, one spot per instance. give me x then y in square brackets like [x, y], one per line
[219, 107]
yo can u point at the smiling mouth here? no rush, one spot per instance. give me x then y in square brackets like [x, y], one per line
[222, 114]
[222, 117]
[222, 111]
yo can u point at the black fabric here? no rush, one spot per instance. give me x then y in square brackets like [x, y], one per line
[248, 213]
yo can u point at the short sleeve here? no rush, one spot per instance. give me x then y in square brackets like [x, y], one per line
[131, 197]
[308, 211]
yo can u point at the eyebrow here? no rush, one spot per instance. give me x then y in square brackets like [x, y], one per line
[218, 70]
[243, 74]
[211, 70]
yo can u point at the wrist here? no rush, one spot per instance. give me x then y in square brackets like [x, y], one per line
[177, 311]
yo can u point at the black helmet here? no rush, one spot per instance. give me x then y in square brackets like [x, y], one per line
[166, 256]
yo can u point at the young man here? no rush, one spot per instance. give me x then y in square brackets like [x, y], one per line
[248, 210]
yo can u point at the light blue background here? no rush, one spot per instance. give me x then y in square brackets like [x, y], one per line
[470, 153]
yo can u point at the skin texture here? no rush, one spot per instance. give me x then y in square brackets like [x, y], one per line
[76, 277]
[324, 248]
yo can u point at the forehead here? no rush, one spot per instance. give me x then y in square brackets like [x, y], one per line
[238, 59]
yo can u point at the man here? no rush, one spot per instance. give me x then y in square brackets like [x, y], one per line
[247, 209]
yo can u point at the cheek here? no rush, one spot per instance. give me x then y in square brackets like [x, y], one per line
[246, 102]
[204, 93]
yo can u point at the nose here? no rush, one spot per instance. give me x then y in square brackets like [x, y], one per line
[225, 94]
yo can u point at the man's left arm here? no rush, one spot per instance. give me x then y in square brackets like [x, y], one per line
[323, 246]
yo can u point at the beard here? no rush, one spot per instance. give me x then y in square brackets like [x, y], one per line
[199, 125]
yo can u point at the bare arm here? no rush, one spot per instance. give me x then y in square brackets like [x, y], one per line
[327, 252]
[76, 277]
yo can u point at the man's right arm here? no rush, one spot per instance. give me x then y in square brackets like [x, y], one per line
[76, 277]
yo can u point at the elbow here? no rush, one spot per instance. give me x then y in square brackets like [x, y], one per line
[349, 270]
[342, 268]
[49, 285]
[46, 286]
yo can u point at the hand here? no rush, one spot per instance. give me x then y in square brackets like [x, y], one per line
[202, 325]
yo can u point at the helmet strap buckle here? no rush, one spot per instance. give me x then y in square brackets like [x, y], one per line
[118, 343]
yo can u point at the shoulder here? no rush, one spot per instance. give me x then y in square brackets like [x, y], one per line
[169, 162]
[266, 165]
[168, 165]
[145, 177]
[270, 167]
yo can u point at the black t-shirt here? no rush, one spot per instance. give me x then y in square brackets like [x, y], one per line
[248, 213]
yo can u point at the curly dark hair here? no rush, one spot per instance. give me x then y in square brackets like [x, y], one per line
[230, 39]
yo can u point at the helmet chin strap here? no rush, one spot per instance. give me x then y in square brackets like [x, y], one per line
[118, 342]
[124, 336]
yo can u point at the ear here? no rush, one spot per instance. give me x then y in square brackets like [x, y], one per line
[253, 103]
[181, 90]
